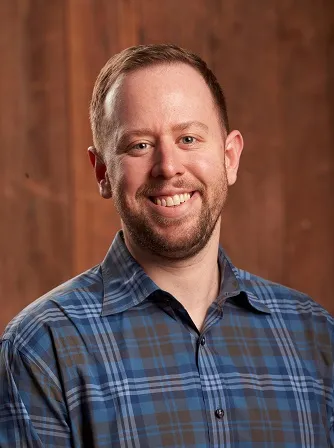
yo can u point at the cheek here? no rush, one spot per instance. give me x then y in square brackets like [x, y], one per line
[128, 176]
[207, 169]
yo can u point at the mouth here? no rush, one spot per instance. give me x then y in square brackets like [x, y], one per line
[171, 201]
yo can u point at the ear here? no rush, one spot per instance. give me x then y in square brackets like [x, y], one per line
[100, 173]
[233, 148]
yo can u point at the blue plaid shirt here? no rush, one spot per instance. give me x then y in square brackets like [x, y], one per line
[110, 360]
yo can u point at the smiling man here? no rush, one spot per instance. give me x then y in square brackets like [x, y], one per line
[166, 343]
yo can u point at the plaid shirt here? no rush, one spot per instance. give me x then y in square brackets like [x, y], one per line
[110, 360]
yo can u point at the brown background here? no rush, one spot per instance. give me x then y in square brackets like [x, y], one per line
[275, 60]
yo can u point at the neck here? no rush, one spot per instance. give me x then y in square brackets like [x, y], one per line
[194, 282]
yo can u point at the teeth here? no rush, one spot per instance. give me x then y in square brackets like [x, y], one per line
[169, 201]
[176, 199]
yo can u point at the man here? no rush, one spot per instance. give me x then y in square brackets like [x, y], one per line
[166, 343]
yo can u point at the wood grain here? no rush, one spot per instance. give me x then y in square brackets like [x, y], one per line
[35, 172]
[275, 60]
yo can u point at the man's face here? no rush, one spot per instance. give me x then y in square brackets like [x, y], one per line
[165, 159]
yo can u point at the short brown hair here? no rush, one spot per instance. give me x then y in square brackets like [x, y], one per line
[137, 57]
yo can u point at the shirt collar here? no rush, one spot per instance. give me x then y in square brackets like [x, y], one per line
[232, 285]
[125, 283]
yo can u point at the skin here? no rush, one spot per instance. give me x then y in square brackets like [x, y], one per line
[167, 139]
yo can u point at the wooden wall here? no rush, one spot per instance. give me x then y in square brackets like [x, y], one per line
[275, 60]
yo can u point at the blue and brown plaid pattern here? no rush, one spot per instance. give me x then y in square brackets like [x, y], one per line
[110, 360]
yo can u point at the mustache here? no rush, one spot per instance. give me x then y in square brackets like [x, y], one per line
[153, 189]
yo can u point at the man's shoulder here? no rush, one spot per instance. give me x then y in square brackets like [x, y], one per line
[280, 298]
[77, 298]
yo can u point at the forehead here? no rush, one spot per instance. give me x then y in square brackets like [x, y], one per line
[161, 91]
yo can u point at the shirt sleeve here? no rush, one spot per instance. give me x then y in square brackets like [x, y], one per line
[32, 409]
[331, 433]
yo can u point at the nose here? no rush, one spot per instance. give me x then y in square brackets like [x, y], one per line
[167, 160]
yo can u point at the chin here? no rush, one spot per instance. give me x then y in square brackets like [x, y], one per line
[167, 245]
[176, 239]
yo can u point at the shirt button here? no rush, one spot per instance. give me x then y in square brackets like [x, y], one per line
[219, 413]
[203, 341]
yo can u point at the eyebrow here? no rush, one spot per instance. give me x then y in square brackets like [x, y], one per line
[145, 131]
[123, 134]
[188, 124]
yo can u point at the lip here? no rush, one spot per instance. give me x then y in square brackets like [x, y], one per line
[175, 211]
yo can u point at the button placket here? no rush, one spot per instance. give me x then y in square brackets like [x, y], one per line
[219, 413]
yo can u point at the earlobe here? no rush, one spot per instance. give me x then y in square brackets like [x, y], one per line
[105, 188]
[100, 173]
[233, 149]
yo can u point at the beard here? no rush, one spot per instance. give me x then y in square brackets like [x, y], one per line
[180, 238]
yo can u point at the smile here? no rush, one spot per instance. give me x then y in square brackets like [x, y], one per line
[171, 201]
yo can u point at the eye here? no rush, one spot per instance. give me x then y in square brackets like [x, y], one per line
[140, 145]
[188, 139]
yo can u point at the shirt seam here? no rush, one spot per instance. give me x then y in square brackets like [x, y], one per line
[31, 361]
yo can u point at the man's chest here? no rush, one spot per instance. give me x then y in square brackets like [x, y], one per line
[150, 380]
